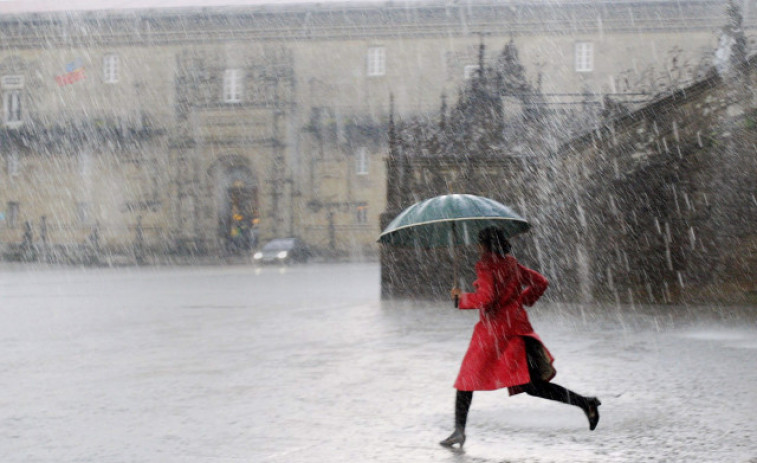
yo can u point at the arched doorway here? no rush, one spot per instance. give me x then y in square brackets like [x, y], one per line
[237, 205]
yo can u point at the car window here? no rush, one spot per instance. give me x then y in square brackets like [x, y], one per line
[279, 245]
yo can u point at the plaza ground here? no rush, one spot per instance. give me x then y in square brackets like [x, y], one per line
[305, 364]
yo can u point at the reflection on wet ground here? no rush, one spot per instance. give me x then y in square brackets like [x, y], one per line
[306, 365]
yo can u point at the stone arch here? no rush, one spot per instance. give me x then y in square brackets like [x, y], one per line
[234, 187]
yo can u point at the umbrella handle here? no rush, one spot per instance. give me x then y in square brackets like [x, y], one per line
[455, 275]
[455, 259]
[455, 264]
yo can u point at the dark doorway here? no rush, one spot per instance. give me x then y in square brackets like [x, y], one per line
[238, 206]
[241, 218]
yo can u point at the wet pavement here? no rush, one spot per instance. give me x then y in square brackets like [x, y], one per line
[304, 364]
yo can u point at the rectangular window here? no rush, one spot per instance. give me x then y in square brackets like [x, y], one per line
[13, 163]
[85, 163]
[584, 57]
[376, 61]
[12, 106]
[232, 86]
[11, 214]
[82, 213]
[361, 162]
[361, 214]
[110, 68]
[470, 71]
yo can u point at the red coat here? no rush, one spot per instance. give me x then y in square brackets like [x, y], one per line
[496, 357]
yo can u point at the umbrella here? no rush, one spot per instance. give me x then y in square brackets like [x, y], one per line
[450, 220]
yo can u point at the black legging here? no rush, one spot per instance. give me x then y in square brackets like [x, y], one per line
[536, 388]
[462, 405]
[552, 391]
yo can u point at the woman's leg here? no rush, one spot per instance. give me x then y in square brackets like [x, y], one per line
[551, 391]
[538, 387]
[463, 400]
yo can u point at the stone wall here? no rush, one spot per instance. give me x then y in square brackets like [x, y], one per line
[656, 206]
[670, 193]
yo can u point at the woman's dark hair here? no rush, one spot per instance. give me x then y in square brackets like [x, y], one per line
[493, 239]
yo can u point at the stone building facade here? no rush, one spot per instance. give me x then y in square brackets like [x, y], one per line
[141, 133]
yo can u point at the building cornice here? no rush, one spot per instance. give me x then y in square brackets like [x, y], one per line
[372, 21]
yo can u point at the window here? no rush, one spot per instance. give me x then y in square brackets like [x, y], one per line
[376, 61]
[13, 163]
[470, 71]
[361, 214]
[110, 69]
[11, 214]
[361, 162]
[12, 87]
[85, 163]
[82, 213]
[584, 57]
[12, 107]
[232, 86]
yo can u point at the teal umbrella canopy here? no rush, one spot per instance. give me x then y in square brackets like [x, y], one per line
[450, 220]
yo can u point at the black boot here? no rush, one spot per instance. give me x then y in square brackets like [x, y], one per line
[592, 412]
[457, 437]
[462, 405]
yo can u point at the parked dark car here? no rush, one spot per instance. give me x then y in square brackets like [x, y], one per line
[284, 251]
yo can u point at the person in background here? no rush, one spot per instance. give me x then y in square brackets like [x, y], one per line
[504, 350]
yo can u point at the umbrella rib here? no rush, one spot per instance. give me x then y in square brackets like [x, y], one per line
[457, 219]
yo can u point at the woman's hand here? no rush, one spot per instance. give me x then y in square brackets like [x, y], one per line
[455, 295]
